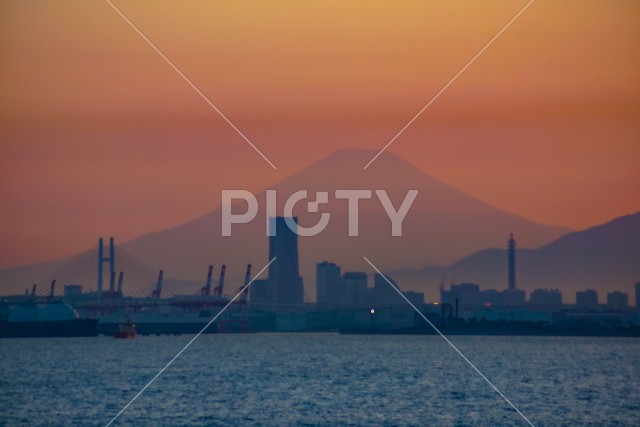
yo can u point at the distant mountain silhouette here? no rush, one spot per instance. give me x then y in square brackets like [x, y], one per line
[606, 258]
[442, 226]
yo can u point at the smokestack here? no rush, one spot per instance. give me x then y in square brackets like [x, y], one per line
[100, 261]
[159, 286]
[247, 276]
[112, 258]
[220, 287]
[207, 289]
[120, 280]
[512, 262]
[247, 279]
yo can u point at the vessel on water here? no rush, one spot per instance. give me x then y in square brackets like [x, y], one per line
[55, 319]
[126, 330]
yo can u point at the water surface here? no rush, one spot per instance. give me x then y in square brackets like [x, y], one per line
[320, 379]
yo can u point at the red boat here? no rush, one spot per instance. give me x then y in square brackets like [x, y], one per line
[126, 330]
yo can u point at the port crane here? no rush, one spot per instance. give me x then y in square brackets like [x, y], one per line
[220, 288]
[206, 290]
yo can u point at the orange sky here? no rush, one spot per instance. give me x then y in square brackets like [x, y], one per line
[100, 137]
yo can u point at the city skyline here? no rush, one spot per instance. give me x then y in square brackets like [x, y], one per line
[544, 127]
[284, 285]
[442, 230]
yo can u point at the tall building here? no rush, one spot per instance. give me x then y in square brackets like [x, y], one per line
[328, 280]
[511, 296]
[355, 288]
[512, 262]
[587, 299]
[285, 283]
[637, 295]
[617, 299]
[384, 294]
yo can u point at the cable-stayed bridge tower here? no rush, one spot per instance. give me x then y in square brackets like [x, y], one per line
[112, 265]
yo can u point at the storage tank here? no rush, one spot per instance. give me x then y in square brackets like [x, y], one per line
[56, 312]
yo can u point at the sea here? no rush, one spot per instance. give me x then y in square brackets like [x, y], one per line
[317, 379]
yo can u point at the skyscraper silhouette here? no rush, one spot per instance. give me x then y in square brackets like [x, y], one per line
[328, 283]
[285, 284]
[512, 262]
[512, 296]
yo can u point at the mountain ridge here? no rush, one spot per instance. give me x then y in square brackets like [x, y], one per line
[604, 256]
[443, 225]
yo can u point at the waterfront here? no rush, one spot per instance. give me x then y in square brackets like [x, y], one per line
[320, 379]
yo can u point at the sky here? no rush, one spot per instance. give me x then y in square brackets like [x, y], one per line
[99, 136]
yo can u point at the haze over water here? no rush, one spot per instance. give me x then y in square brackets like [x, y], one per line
[321, 379]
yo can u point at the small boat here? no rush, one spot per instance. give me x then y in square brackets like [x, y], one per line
[126, 330]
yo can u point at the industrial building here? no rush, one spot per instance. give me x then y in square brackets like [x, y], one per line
[328, 280]
[351, 289]
[355, 289]
[587, 299]
[546, 298]
[617, 300]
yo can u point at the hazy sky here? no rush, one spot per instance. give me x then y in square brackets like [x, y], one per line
[98, 136]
